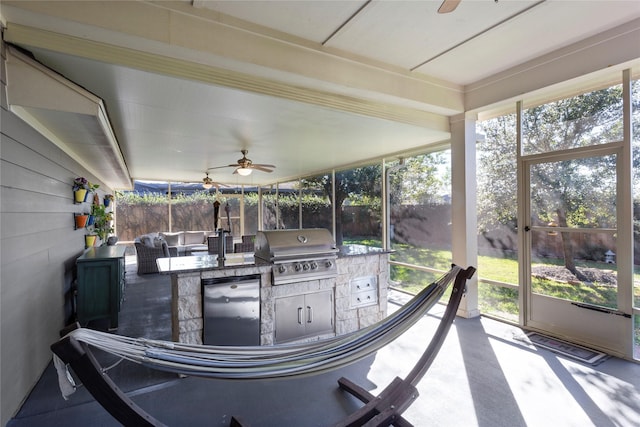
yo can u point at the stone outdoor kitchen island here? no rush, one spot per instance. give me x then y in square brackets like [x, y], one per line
[320, 308]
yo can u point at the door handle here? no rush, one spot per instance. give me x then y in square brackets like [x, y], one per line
[300, 315]
[601, 309]
[309, 314]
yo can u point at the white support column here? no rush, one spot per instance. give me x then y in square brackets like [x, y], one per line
[463, 206]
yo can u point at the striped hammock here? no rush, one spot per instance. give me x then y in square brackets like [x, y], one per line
[262, 362]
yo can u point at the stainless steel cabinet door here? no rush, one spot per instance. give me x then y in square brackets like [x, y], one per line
[290, 318]
[319, 313]
[302, 316]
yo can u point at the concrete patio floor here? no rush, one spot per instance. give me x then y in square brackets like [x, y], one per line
[483, 376]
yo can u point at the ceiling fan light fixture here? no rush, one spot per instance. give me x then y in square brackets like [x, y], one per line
[244, 171]
[207, 182]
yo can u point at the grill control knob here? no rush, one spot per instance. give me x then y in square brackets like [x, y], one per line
[282, 269]
[328, 264]
[297, 267]
[305, 266]
[314, 265]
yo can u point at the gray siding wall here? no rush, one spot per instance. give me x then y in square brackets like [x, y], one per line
[38, 248]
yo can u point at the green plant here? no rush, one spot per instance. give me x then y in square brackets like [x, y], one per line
[80, 183]
[102, 221]
[92, 187]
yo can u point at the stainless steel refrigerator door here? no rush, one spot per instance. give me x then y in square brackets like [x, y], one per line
[231, 311]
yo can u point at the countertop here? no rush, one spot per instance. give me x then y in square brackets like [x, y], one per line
[360, 250]
[186, 264]
[101, 252]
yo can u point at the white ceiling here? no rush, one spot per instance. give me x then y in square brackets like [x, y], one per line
[305, 85]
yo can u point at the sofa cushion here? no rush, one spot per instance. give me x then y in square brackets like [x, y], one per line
[174, 239]
[193, 237]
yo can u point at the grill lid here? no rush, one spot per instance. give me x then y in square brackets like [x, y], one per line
[278, 245]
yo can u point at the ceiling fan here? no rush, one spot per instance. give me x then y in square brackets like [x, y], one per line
[207, 182]
[448, 6]
[245, 166]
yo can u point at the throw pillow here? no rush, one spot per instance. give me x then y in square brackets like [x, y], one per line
[193, 237]
[172, 239]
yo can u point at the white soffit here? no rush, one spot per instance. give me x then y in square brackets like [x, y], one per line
[69, 116]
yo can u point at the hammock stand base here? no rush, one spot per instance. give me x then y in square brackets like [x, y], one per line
[384, 409]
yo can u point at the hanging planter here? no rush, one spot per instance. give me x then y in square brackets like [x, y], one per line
[80, 189]
[108, 199]
[80, 195]
[90, 220]
[81, 220]
[90, 240]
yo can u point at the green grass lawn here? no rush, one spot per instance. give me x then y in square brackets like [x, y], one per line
[496, 300]
[499, 269]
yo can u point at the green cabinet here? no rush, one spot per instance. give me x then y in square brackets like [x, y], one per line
[100, 284]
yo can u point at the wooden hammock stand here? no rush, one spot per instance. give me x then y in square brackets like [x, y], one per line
[384, 409]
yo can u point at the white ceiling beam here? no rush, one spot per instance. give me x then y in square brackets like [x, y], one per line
[179, 31]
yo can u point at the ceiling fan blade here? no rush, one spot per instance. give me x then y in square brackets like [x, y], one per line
[220, 167]
[448, 6]
[261, 168]
[245, 163]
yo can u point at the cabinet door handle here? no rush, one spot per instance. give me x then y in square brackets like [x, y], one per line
[300, 315]
[309, 314]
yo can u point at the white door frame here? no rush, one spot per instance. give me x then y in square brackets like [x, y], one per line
[611, 332]
[607, 328]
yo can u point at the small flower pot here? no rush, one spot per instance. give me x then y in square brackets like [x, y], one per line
[91, 220]
[81, 220]
[80, 195]
[106, 202]
[90, 240]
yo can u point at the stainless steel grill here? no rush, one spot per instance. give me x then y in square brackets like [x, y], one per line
[298, 255]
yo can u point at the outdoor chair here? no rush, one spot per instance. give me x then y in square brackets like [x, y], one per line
[148, 250]
[244, 247]
[214, 241]
[249, 238]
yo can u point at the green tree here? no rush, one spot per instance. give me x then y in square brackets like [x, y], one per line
[423, 179]
[566, 192]
[352, 183]
[574, 193]
[497, 174]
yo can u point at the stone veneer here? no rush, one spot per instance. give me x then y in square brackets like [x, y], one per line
[349, 319]
[186, 301]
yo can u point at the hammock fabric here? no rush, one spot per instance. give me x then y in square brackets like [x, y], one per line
[265, 362]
